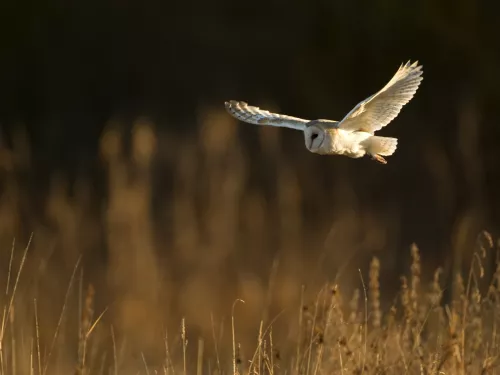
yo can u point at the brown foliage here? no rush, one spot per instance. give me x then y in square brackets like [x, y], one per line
[146, 279]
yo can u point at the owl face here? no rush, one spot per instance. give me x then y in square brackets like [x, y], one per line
[314, 137]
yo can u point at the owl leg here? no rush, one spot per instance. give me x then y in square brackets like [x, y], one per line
[377, 146]
[379, 158]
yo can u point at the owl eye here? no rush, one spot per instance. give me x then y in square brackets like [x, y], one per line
[314, 136]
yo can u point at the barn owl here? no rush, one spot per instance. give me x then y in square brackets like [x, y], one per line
[353, 136]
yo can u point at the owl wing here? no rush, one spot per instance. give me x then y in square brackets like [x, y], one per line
[254, 115]
[380, 109]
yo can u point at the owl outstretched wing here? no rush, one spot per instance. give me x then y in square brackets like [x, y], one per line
[380, 109]
[254, 115]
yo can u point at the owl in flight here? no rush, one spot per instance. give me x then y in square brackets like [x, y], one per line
[353, 136]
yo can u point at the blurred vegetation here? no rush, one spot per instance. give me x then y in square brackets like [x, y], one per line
[189, 226]
[146, 203]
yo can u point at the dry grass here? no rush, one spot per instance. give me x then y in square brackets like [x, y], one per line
[197, 262]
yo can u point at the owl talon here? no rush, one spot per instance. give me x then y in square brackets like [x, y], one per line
[379, 158]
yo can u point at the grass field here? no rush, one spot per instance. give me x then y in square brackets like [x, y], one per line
[189, 261]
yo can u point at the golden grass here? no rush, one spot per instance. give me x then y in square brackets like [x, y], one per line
[198, 260]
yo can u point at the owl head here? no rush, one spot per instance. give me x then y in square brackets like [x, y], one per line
[314, 137]
[315, 134]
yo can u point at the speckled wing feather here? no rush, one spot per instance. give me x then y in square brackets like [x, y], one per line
[254, 115]
[380, 109]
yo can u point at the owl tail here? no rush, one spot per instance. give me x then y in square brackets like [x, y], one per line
[384, 146]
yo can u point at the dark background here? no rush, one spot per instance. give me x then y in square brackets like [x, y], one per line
[67, 68]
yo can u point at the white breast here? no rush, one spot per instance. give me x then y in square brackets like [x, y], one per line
[348, 143]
